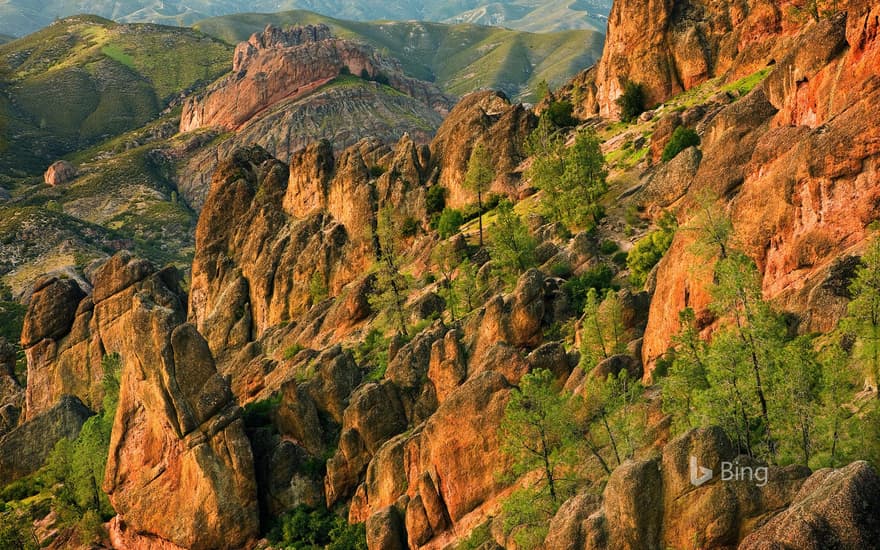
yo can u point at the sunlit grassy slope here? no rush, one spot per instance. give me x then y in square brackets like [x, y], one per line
[84, 79]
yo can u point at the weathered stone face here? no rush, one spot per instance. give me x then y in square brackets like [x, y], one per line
[178, 442]
[502, 127]
[798, 171]
[24, 449]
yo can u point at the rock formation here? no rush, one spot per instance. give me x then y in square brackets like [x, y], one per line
[486, 117]
[719, 513]
[59, 173]
[670, 47]
[799, 171]
[24, 449]
[178, 441]
[278, 65]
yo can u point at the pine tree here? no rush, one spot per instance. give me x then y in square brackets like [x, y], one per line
[687, 372]
[602, 330]
[479, 177]
[513, 247]
[573, 180]
[863, 312]
[392, 286]
[539, 433]
[446, 258]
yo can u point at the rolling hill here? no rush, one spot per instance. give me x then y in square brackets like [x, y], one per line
[459, 58]
[84, 79]
[20, 17]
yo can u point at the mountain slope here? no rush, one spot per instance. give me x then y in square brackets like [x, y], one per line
[19, 17]
[84, 79]
[459, 58]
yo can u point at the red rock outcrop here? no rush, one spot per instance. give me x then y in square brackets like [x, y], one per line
[717, 513]
[670, 47]
[798, 170]
[502, 127]
[178, 442]
[278, 65]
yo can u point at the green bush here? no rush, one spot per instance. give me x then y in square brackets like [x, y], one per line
[291, 351]
[435, 199]
[409, 227]
[450, 222]
[11, 320]
[376, 171]
[682, 138]
[75, 469]
[306, 529]
[258, 414]
[374, 351]
[561, 269]
[632, 102]
[608, 247]
[318, 290]
[576, 289]
[620, 258]
[560, 113]
[649, 250]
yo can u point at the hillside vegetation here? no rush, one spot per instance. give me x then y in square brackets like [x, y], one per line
[84, 79]
[460, 58]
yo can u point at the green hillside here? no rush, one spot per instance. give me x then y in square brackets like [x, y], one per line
[460, 58]
[84, 79]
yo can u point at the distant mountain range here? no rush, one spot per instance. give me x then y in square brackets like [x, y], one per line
[21, 17]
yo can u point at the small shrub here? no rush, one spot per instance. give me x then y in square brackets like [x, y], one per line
[21, 489]
[305, 528]
[291, 351]
[258, 414]
[409, 227]
[373, 350]
[682, 138]
[560, 113]
[649, 250]
[632, 102]
[435, 199]
[561, 269]
[620, 258]
[608, 247]
[450, 222]
[318, 290]
[599, 278]
[376, 171]
[478, 537]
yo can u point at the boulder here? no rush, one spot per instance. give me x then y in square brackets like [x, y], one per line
[386, 531]
[835, 508]
[51, 311]
[487, 117]
[569, 527]
[460, 448]
[59, 173]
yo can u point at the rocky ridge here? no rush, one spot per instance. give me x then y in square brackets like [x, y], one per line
[279, 65]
